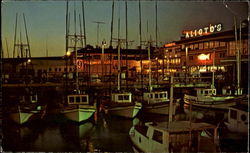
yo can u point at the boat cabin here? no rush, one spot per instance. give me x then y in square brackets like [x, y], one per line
[238, 118]
[29, 98]
[155, 96]
[78, 99]
[180, 136]
[205, 91]
[125, 97]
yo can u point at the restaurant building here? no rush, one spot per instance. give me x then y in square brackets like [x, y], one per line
[200, 52]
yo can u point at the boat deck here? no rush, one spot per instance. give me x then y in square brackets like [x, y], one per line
[182, 126]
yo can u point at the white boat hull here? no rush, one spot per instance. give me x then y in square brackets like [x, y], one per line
[21, 117]
[124, 111]
[79, 114]
[162, 108]
[222, 104]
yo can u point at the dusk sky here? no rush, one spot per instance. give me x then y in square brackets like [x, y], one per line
[46, 21]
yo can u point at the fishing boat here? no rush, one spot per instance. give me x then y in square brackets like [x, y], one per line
[174, 136]
[120, 102]
[27, 109]
[207, 97]
[177, 136]
[157, 102]
[154, 101]
[237, 120]
[78, 108]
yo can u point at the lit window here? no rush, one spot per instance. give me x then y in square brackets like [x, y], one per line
[200, 45]
[206, 45]
[211, 44]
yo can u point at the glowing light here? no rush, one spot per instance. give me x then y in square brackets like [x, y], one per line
[29, 60]
[203, 57]
[68, 53]
[169, 45]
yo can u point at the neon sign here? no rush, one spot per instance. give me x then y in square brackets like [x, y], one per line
[203, 31]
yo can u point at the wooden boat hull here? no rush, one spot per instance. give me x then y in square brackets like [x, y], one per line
[222, 104]
[159, 108]
[127, 111]
[79, 114]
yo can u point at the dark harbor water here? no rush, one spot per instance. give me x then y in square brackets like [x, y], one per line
[102, 134]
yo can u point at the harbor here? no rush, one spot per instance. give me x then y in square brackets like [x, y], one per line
[139, 89]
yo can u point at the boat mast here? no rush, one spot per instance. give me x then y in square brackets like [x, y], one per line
[171, 99]
[149, 67]
[126, 20]
[75, 49]
[140, 41]
[7, 48]
[156, 36]
[112, 18]
[66, 47]
[212, 86]
[119, 55]
[84, 28]
[27, 38]
[15, 37]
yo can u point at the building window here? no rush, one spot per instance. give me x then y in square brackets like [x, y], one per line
[216, 44]
[50, 69]
[56, 69]
[200, 45]
[222, 55]
[96, 57]
[211, 44]
[70, 69]
[196, 46]
[232, 48]
[222, 44]
[59, 69]
[206, 45]
[191, 47]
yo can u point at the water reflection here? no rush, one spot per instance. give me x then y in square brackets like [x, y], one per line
[79, 135]
[107, 134]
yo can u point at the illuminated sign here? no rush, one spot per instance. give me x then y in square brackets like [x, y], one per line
[204, 57]
[203, 31]
[169, 45]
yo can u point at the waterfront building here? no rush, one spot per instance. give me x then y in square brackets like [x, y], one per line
[201, 54]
